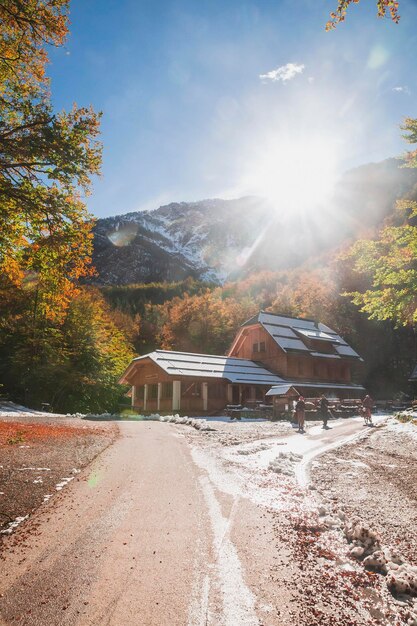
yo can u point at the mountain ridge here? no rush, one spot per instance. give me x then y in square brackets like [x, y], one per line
[216, 239]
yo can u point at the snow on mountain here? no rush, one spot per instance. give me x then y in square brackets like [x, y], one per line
[217, 239]
[201, 239]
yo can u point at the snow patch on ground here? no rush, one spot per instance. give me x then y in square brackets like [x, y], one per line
[285, 463]
[407, 428]
[12, 525]
[237, 599]
[253, 448]
[63, 483]
[34, 469]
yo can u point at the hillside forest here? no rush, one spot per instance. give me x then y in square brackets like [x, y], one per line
[65, 339]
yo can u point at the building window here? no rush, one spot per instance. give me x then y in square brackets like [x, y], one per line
[194, 389]
[259, 393]
[216, 390]
[259, 346]
[262, 346]
[153, 392]
[255, 347]
[166, 391]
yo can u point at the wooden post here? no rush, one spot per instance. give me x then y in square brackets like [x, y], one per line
[145, 397]
[205, 396]
[176, 395]
[133, 396]
[158, 402]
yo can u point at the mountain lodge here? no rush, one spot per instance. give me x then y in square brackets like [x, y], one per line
[272, 355]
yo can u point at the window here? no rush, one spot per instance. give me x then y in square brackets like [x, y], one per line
[216, 390]
[262, 346]
[259, 393]
[255, 347]
[166, 391]
[193, 389]
[153, 392]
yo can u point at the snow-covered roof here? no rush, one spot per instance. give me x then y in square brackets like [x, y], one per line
[293, 334]
[233, 369]
[277, 390]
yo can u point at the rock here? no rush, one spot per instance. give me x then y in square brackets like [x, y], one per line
[376, 562]
[403, 580]
[356, 552]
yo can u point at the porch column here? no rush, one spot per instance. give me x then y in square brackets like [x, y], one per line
[158, 402]
[145, 397]
[176, 395]
[133, 395]
[229, 394]
[205, 396]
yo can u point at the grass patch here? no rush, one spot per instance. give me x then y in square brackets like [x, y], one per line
[406, 418]
[18, 437]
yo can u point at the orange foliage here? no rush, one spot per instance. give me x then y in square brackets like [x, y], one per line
[25, 433]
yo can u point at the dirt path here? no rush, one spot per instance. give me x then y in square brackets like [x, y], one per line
[142, 538]
[119, 547]
[172, 526]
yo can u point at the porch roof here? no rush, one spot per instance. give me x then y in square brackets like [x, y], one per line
[233, 369]
[277, 389]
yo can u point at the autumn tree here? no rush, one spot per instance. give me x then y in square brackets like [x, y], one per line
[47, 160]
[201, 323]
[73, 364]
[390, 260]
[385, 8]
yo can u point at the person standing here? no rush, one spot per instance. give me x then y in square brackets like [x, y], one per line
[367, 404]
[324, 410]
[300, 412]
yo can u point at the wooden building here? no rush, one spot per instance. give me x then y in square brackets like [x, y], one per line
[269, 352]
[164, 381]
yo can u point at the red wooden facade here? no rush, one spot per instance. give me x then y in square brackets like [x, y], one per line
[255, 343]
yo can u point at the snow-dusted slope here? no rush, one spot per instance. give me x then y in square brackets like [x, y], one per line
[218, 239]
[207, 240]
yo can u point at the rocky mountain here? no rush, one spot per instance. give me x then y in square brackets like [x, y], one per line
[218, 239]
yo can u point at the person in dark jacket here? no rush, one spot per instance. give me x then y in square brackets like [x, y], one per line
[324, 410]
[300, 412]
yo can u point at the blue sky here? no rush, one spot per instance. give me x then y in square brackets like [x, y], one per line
[186, 115]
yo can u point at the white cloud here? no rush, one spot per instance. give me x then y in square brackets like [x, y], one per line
[403, 89]
[283, 73]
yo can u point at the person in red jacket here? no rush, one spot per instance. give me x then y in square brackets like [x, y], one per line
[367, 404]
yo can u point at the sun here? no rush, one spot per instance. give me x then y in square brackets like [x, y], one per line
[295, 174]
